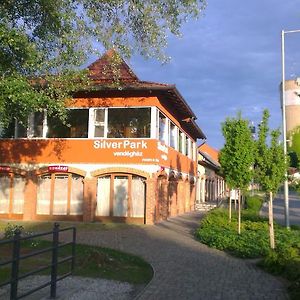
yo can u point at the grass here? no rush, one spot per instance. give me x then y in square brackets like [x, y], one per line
[91, 261]
[41, 226]
[216, 231]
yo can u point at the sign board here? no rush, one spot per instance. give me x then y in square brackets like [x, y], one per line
[58, 169]
[4, 169]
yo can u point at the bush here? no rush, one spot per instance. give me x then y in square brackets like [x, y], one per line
[10, 229]
[254, 203]
[216, 231]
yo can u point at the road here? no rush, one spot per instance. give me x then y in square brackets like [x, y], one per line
[278, 209]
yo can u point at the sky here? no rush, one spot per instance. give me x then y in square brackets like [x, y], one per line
[229, 60]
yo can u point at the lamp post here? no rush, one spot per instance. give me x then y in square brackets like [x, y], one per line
[286, 187]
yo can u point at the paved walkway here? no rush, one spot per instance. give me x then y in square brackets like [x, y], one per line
[185, 268]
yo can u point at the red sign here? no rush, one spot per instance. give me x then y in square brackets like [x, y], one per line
[4, 169]
[58, 169]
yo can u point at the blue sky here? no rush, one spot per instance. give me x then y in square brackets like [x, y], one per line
[230, 60]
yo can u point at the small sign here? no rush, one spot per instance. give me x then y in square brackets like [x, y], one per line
[62, 169]
[4, 169]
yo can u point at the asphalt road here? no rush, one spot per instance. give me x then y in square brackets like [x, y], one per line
[278, 209]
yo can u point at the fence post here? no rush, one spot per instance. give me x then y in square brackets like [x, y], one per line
[73, 250]
[15, 265]
[54, 260]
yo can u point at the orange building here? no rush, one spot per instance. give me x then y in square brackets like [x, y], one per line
[211, 186]
[127, 154]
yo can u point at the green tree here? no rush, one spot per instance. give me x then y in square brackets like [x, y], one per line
[41, 38]
[270, 166]
[294, 147]
[237, 157]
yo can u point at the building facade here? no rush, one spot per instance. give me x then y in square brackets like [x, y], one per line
[211, 186]
[127, 153]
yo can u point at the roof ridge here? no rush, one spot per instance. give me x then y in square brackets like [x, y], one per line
[102, 68]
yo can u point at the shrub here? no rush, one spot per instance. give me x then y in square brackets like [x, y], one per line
[216, 231]
[10, 229]
[254, 203]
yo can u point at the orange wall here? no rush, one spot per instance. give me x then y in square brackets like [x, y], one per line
[116, 151]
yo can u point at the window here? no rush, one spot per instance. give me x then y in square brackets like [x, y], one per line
[163, 128]
[121, 195]
[180, 143]
[99, 122]
[12, 194]
[44, 195]
[60, 194]
[36, 124]
[18, 194]
[14, 129]
[173, 135]
[4, 194]
[138, 193]
[20, 130]
[76, 198]
[194, 153]
[103, 196]
[129, 122]
[76, 125]
[187, 146]
[120, 200]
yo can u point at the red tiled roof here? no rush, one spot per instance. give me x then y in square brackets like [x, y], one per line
[213, 153]
[101, 71]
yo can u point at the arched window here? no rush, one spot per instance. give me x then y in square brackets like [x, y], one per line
[12, 188]
[60, 194]
[121, 195]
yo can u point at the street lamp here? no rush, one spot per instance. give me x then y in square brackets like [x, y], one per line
[286, 186]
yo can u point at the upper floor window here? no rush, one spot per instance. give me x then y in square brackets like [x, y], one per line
[173, 135]
[99, 122]
[187, 146]
[76, 125]
[162, 128]
[180, 142]
[14, 130]
[129, 122]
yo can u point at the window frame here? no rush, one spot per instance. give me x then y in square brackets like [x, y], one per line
[129, 213]
[11, 193]
[52, 194]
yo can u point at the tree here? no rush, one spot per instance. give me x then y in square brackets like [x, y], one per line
[42, 38]
[294, 147]
[237, 157]
[270, 166]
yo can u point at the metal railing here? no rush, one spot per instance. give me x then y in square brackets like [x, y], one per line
[55, 261]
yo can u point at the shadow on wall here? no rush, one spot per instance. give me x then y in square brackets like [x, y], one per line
[20, 150]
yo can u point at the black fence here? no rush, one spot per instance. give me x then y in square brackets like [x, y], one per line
[15, 242]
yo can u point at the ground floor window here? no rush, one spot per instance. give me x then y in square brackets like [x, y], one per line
[121, 195]
[12, 188]
[60, 194]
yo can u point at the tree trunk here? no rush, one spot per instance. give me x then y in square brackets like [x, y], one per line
[271, 224]
[239, 213]
[229, 212]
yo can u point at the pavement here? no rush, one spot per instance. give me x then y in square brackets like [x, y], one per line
[185, 268]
